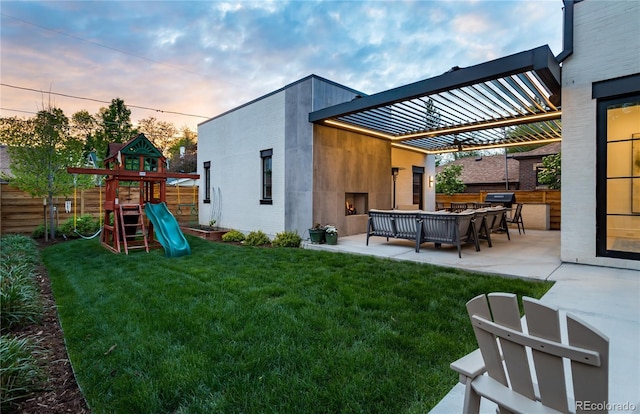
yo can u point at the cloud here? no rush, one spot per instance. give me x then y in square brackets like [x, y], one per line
[203, 57]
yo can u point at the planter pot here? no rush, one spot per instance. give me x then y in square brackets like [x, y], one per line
[331, 238]
[316, 235]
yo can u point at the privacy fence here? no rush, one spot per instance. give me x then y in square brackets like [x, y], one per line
[21, 213]
[550, 197]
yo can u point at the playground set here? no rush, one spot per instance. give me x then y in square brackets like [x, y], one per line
[139, 162]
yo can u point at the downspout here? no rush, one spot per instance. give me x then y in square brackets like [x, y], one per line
[567, 35]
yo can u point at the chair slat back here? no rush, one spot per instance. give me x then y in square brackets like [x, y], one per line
[517, 213]
[496, 320]
[494, 218]
[464, 225]
[439, 227]
[544, 322]
[458, 206]
[590, 383]
[504, 308]
[381, 223]
[406, 224]
[487, 341]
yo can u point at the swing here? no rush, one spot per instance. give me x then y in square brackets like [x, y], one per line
[75, 208]
[193, 209]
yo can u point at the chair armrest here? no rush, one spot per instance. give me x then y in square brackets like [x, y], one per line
[491, 389]
[469, 366]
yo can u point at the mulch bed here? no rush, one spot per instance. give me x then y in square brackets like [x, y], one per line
[60, 393]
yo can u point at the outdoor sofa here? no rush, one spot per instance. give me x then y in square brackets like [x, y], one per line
[442, 227]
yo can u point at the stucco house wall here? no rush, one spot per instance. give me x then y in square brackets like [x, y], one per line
[346, 164]
[232, 143]
[404, 182]
[606, 46]
[233, 146]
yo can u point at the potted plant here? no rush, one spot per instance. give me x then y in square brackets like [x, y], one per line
[331, 234]
[316, 233]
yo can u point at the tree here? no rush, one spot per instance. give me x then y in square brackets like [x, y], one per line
[114, 125]
[161, 134]
[448, 180]
[41, 148]
[550, 174]
[184, 161]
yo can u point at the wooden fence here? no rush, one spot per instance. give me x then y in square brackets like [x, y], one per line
[21, 213]
[551, 197]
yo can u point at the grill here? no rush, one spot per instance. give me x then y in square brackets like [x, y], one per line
[506, 199]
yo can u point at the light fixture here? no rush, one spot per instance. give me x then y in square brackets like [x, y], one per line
[394, 174]
[431, 180]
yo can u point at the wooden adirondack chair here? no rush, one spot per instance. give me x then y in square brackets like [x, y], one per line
[520, 365]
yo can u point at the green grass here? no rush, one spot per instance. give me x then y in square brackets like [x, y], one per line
[234, 329]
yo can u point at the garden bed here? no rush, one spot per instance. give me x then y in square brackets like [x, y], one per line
[211, 234]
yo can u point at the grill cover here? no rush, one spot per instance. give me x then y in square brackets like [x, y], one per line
[506, 199]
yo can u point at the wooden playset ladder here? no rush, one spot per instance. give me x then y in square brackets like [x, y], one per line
[132, 227]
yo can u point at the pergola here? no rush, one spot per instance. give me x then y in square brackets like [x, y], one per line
[511, 101]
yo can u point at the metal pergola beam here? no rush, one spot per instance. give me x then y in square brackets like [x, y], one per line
[540, 60]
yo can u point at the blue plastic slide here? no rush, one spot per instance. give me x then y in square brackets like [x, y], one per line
[167, 230]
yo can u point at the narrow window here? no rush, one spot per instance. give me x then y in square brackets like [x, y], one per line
[267, 190]
[418, 180]
[207, 181]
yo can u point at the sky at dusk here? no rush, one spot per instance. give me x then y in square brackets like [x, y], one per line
[206, 57]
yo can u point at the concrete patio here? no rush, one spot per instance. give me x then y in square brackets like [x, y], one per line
[607, 298]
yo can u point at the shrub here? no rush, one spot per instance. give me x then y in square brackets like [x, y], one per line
[16, 248]
[287, 239]
[233, 236]
[86, 225]
[19, 293]
[38, 232]
[20, 373]
[257, 238]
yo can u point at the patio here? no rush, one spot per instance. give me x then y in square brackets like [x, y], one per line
[607, 298]
[535, 254]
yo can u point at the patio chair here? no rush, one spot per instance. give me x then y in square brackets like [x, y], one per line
[517, 218]
[492, 220]
[458, 207]
[520, 366]
[447, 228]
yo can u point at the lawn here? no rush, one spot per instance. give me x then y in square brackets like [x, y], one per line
[234, 329]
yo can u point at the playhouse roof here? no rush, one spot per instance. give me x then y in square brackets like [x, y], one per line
[138, 145]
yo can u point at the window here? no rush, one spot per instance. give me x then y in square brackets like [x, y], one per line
[132, 163]
[418, 180]
[267, 189]
[207, 181]
[618, 184]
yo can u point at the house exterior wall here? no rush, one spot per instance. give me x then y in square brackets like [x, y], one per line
[528, 175]
[349, 163]
[301, 98]
[404, 182]
[232, 143]
[606, 46]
